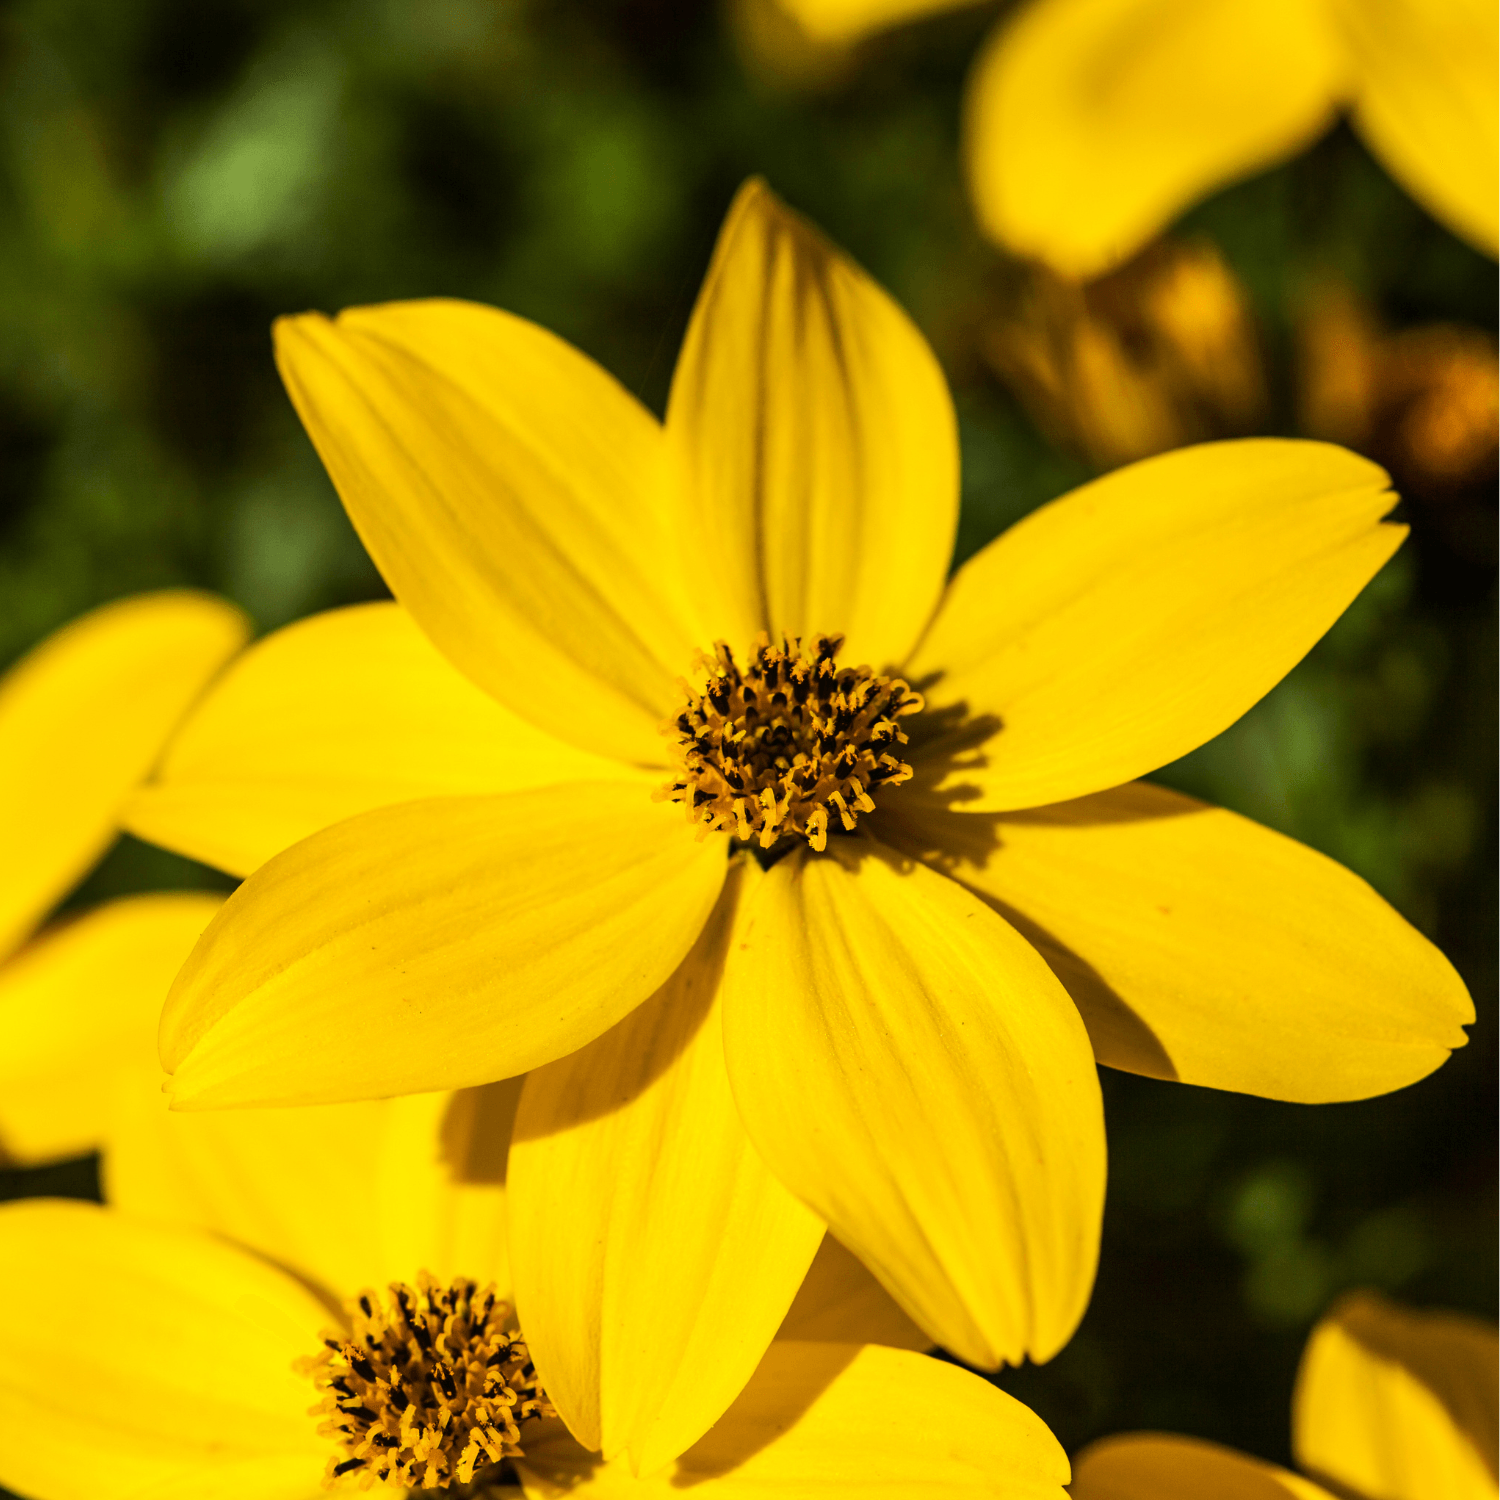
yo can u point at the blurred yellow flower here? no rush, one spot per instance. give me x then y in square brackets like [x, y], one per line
[207, 1362]
[1160, 353]
[83, 718]
[1424, 400]
[1389, 1405]
[892, 1031]
[1091, 124]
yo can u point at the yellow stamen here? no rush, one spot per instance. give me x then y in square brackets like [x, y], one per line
[429, 1389]
[768, 750]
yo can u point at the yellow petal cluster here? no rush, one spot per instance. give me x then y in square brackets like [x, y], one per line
[457, 873]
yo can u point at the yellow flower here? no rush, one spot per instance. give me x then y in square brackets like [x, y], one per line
[1091, 124]
[1389, 1405]
[83, 718]
[174, 1343]
[867, 1034]
[1162, 353]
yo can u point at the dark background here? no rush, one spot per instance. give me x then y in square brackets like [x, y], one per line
[175, 174]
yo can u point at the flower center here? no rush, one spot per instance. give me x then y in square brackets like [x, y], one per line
[429, 1388]
[768, 752]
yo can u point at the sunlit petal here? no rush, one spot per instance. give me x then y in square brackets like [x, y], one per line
[346, 711]
[438, 944]
[137, 1359]
[839, 1302]
[76, 1004]
[347, 1195]
[819, 443]
[1123, 625]
[825, 1421]
[1203, 947]
[82, 720]
[655, 1255]
[909, 1066]
[511, 493]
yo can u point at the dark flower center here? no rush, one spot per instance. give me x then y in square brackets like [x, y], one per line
[775, 750]
[429, 1388]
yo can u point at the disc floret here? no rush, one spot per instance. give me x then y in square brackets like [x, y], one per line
[776, 749]
[429, 1388]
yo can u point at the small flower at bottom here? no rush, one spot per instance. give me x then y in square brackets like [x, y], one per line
[184, 1379]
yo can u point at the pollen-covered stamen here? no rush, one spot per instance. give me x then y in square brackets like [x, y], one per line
[776, 749]
[429, 1388]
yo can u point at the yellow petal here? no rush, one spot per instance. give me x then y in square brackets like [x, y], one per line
[910, 1068]
[817, 442]
[438, 944]
[76, 1004]
[1148, 1466]
[82, 720]
[346, 711]
[346, 1195]
[1425, 99]
[821, 1421]
[1121, 626]
[654, 1253]
[839, 1302]
[1092, 124]
[144, 1360]
[848, 20]
[1399, 1405]
[432, 1214]
[510, 492]
[1203, 947]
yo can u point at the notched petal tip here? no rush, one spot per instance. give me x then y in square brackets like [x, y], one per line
[1127, 622]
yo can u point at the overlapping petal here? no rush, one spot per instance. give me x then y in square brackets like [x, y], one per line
[1202, 947]
[655, 1254]
[818, 443]
[333, 716]
[839, 1302]
[511, 492]
[78, 1003]
[1093, 123]
[820, 1421]
[1399, 1405]
[1152, 1466]
[1123, 625]
[874, 1008]
[140, 1359]
[348, 1195]
[82, 720]
[438, 944]
[1425, 99]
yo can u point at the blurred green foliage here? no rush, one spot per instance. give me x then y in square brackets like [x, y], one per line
[175, 173]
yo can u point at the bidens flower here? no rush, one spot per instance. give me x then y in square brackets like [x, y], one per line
[1389, 1405]
[83, 719]
[1093, 123]
[815, 909]
[207, 1361]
